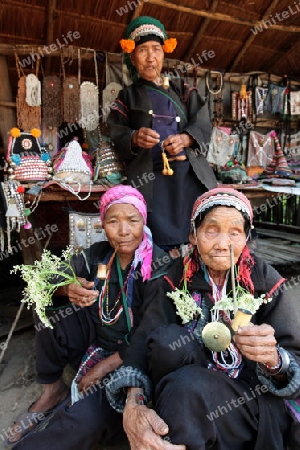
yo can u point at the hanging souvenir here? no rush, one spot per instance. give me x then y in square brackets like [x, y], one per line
[89, 105]
[260, 99]
[295, 103]
[89, 100]
[27, 159]
[33, 90]
[71, 100]
[214, 95]
[109, 95]
[28, 117]
[222, 147]
[275, 99]
[50, 139]
[70, 88]
[51, 108]
[16, 213]
[260, 149]
[241, 104]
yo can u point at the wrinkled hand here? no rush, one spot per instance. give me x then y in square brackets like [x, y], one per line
[93, 376]
[145, 429]
[257, 343]
[175, 143]
[102, 368]
[145, 138]
[82, 295]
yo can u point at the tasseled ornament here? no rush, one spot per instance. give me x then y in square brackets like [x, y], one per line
[245, 265]
[167, 169]
[243, 92]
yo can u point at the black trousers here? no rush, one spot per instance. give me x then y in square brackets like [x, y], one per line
[80, 426]
[89, 420]
[206, 409]
[73, 331]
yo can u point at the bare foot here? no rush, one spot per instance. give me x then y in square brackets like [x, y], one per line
[53, 394]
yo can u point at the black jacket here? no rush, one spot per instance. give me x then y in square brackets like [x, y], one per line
[131, 112]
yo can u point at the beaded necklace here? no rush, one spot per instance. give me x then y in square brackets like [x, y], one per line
[229, 360]
[110, 315]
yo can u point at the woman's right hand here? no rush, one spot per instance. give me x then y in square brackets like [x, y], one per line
[145, 429]
[82, 294]
[145, 138]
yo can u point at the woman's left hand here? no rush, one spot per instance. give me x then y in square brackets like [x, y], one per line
[93, 376]
[96, 373]
[258, 343]
[175, 143]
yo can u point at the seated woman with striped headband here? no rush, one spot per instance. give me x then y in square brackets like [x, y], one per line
[105, 312]
[215, 382]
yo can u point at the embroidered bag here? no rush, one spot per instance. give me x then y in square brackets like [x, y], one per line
[260, 99]
[260, 149]
[222, 147]
[295, 102]
[275, 99]
[27, 159]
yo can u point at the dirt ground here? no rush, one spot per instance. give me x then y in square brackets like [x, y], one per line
[18, 388]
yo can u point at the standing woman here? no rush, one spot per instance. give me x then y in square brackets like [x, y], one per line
[161, 132]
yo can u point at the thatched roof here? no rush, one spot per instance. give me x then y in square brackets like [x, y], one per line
[243, 35]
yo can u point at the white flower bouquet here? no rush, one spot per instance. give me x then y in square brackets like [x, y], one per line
[41, 278]
[186, 307]
[247, 305]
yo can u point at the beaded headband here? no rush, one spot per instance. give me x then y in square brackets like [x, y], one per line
[222, 197]
[145, 29]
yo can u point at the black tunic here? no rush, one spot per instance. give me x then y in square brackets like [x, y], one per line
[206, 409]
[169, 198]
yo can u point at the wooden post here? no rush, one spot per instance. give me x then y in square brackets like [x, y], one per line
[50, 32]
[7, 113]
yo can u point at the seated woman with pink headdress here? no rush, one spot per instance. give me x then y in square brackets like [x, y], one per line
[94, 337]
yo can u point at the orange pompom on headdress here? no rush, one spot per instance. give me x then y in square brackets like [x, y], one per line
[143, 29]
